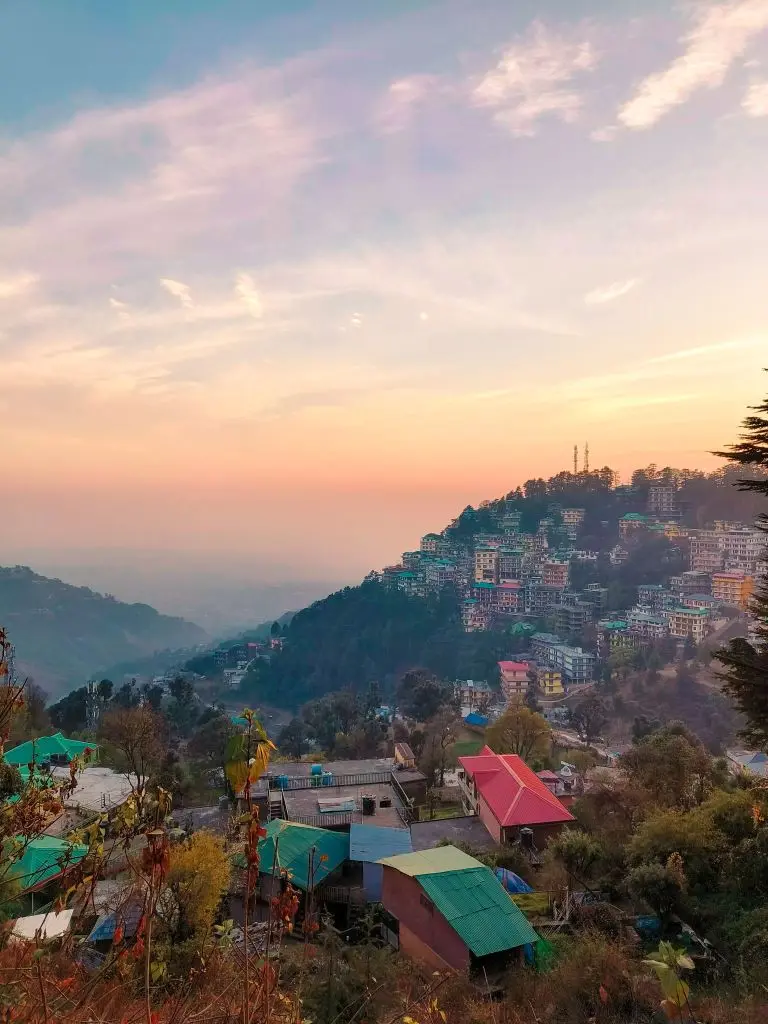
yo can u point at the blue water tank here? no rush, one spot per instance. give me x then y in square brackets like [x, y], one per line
[316, 769]
[282, 782]
[327, 778]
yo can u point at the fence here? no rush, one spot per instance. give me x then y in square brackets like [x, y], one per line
[334, 781]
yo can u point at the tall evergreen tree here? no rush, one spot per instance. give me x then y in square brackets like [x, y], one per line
[745, 661]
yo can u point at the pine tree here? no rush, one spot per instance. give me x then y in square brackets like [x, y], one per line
[745, 662]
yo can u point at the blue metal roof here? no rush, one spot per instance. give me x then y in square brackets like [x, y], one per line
[369, 843]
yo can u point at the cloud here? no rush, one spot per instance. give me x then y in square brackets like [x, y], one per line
[403, 98]
[720, 35]
[179, 290]
[11, 287]
[247, 292]
[611, 292]
[707, 350]
[533, 80]
[755, 102]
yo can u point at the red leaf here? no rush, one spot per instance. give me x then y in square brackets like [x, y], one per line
[119, 931]
[603, 994]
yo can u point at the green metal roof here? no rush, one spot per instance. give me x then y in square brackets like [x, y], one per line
[45, 747]
[294, 846]
[478, 908]
[425, 862]
[44, 859]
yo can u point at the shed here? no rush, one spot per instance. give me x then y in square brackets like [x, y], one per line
[57, 749]
[452, 911]
[367, 845]
[42, 926]
[44, 859]
[288, 846]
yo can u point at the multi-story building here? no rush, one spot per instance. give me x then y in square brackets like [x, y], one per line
[410, 583]
[733, 588]
[655, 596]
[510, 564]
[613, 635]
[662, 501]
[474, 616]
[730, 547]
[484, 594]
[513, 677]
[439, 573]
[549, 680]
[705, 601]
[597, 594]
[631, 523]
[486, 565]
[412, 560]
[706, 552]
[539, 598]
[555, 574]
[647, 625]
[575, 664]
[691, 582]
[572, 618]
[542, 645]
[509, 598]
[573, 516]
[474, 693]
[429, 543]
[688, 622]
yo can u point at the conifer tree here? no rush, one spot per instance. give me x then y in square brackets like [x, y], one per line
[745, 661]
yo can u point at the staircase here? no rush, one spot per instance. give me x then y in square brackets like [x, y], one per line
[275, 805]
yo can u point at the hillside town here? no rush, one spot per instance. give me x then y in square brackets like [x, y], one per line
[513, 580]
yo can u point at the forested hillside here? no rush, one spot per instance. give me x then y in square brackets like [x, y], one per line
[64, 634]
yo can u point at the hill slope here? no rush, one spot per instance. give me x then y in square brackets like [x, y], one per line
[65, 634]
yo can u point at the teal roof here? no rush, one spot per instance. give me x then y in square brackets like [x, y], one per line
[45, 858]
[470, 898]
[294, 844]
[369, 843]
[45, 747]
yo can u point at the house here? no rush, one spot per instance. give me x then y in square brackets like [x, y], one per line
[647, 625]
[55, 750]
[46, 859]
[555, 574]
[662, 500]
[486, 565]
[448, 910]
[474, 616]
[404, 756]
[631, 523]
[549, 681]
[310, 856]
[367, 846]
[508, 796]
[514, 679]
[473, 693]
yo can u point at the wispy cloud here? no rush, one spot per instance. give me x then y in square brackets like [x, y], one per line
[534, 79]
[707, 350]
[10, 287]
[248, 293]
[611, 292]
[755, 102]
[179, 291]
[721, 33]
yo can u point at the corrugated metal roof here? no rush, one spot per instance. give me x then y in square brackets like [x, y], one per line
[294, 851]
[425, 862]
[45, 858]
[369, 843]
[44, 747]
[474, 903]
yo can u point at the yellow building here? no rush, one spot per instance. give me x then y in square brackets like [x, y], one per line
[688, 622]
[550, 681]
[733, 588]
[486, 565]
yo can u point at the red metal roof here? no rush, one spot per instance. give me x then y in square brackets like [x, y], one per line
[512, 790]
[513, 666]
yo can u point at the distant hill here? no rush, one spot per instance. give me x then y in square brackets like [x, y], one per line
[64, 634]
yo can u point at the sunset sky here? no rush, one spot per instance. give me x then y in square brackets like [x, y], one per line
[299, 280]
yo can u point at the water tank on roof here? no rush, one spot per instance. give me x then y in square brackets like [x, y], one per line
[526, 837]
[327, 779]
[316, 769]
[282, 782]
[369, 805]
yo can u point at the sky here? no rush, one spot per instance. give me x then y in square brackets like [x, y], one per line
[287, 284]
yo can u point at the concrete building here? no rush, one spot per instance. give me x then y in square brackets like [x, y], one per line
[572, 618]
[573, 516]
[555, 574]
[474, 615]
[691, 582]
[655, 597]
[662, 500]
[509, 598]
[705, 601]
[513, 677]
[631, 523]
[733, 588]
[688, 623]
[486, 565]
[510, 564]
[647, 625]
[429, 543]
[549, 681]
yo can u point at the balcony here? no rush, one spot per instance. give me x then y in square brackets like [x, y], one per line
[468, 797]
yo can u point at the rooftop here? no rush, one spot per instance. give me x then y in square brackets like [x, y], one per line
[45, 747]
[513, 666]
[427, 862]
[289, 846]
[369, 843]
[514, 793]
[305, 803]
[363, 766]
[468, 829]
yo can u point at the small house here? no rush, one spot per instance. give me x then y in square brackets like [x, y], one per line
[367, 845]
[448, 910]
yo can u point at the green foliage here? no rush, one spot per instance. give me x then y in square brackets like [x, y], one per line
[520, 731]
[672, 765]
[81, 631]
[656, 885]
[577, 851]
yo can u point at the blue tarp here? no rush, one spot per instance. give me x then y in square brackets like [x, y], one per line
[477, 720]
[511, 881]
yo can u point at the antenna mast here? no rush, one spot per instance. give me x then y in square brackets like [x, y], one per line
[575, 459]
[586, 457]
